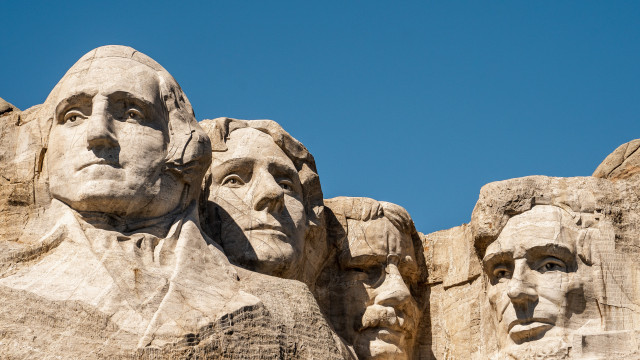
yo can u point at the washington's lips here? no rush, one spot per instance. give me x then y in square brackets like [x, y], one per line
[521, 325]
[100, 161]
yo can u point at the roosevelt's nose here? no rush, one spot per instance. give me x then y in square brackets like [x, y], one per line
[267, 194]
[99, 126]
[393, 291]
[521, 290]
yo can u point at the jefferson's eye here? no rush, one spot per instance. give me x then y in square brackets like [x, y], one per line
[552, 264]
[286, 185]
[232, 180]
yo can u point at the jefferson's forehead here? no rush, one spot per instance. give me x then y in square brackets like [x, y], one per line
[252, 144]
[543, 225]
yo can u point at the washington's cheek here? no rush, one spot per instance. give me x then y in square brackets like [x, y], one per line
[141, 151]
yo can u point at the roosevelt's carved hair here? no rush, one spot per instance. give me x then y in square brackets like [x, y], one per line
[366, 209]
[188, 151]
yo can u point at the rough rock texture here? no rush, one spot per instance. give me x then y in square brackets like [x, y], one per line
[128, 231]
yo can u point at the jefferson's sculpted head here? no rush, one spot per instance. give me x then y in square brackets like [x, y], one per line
[372, 304]
[534, 286]
[264, 197]
[123, 137]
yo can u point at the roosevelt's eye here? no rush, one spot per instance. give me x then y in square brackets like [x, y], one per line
[73, 116]
[552, 264]
[232, 180]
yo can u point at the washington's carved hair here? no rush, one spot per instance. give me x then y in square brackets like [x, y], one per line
[188, 149]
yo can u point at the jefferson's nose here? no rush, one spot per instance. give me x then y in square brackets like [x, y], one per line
[393, 291]
[268, 193]
[521, 290]
[99, 127]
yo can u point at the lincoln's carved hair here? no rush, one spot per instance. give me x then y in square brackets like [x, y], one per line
[188, 149]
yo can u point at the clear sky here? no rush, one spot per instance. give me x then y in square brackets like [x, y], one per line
[415, 102]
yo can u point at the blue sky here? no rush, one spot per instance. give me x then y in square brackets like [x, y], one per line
[415, 102]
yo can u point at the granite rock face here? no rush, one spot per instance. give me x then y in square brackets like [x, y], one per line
[130, 230]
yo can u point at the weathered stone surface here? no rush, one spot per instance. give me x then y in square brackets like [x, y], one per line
[128, 230]
[372, 290]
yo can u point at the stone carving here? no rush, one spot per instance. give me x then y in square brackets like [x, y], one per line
[129, 230]
[536, 276]
[118, 253]
[263, 199]
[371, 294]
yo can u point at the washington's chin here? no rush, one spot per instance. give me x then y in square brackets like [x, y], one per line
[106, 196]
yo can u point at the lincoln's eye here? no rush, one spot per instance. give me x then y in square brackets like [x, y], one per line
[501, 272]
[552, 264]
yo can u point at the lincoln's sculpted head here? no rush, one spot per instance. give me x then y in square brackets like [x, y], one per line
[123, 139]
[264, 198]
[534, 283]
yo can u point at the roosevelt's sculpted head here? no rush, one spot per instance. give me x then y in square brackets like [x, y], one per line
[265, 201]
[373, 295]
[123, 138]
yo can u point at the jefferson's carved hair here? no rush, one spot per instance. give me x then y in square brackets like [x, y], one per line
[188, 150]
[315, 237]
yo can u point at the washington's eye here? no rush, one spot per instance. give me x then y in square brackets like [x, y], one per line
[134, 114]
[552, 264]
[232, 180]
[73, 116]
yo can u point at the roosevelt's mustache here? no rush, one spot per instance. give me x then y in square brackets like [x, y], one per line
[388, 317]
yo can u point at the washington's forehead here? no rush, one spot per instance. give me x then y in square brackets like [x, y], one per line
[252, 144]
[110, 75]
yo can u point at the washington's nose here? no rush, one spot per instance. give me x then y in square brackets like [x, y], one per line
[268, 194]
[521, 290]
[393, 291]
[99, 127]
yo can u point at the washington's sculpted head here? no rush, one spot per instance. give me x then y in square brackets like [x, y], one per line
[123, 138]
[265, 198]
[372, 303]
[534, 286]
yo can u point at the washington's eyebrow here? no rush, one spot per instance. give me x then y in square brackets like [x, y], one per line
[127, 96]
[81, 97]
